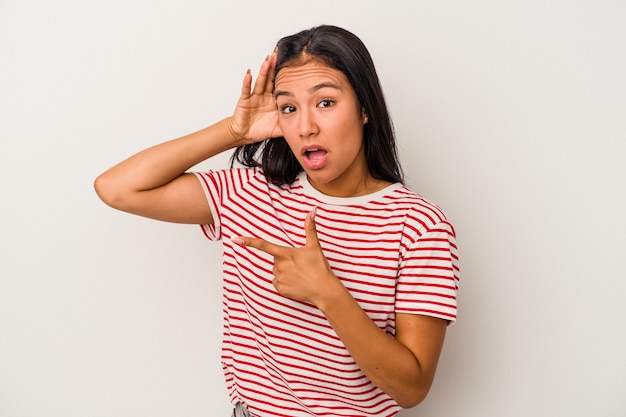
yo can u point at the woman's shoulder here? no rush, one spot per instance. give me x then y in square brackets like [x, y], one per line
[244, 173]
[420, 208]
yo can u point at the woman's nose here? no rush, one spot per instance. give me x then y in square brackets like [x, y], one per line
[308, 126]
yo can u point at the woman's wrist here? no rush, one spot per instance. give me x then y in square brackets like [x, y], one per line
[237, 138]
[334, 299]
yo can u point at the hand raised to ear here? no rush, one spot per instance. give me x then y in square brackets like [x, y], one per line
[256, 115]
[302, 273]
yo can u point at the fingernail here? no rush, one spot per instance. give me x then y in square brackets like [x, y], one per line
[313, 213]
[237, 241]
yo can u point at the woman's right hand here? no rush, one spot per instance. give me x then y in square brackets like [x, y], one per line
[154, 183]
[256, 115]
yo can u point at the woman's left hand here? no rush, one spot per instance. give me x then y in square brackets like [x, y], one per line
[402, 366]
[302, 273]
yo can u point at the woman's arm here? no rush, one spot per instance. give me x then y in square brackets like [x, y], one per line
[154, 183]
[404, 366]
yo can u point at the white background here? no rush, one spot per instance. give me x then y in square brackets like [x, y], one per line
[510, 115]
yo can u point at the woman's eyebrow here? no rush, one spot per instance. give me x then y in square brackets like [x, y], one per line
[278, 93]
[326, 84]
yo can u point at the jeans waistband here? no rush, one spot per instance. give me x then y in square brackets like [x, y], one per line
[240, 411]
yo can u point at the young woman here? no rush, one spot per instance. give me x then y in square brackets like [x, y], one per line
[339, 281]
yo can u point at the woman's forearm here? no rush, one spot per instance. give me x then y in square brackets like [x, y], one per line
[153, 183]
[389, 364]
[162, 163]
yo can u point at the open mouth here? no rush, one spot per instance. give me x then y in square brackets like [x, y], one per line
[315, 154]
[314, 157]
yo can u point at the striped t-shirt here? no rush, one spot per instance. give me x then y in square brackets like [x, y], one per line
[393, 250]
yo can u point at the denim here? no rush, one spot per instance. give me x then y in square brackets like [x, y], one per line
[240, 411]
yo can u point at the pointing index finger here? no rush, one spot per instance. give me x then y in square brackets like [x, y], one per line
[260, 244]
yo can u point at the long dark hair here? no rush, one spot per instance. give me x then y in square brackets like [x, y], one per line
[345, 52]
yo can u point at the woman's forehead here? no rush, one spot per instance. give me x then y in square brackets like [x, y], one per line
[313, 73]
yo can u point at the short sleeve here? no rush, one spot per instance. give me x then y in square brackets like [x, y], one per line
[220, 187]
[429, 274]
[213, 185]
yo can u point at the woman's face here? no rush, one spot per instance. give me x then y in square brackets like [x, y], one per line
[322, 121]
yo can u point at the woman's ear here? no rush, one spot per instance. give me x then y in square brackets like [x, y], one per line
[364, 116]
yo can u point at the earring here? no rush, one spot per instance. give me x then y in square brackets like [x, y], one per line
[365, 119]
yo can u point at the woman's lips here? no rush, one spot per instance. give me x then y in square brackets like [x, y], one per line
[314, 157]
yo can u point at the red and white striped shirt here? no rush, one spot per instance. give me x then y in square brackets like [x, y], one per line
[393, 250]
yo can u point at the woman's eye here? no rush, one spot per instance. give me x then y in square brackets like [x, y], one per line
[325, 103]
[287, 109]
